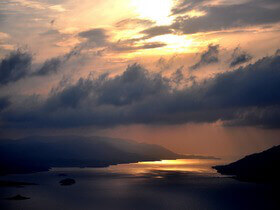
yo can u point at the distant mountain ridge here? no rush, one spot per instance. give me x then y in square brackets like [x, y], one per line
[39, 153]
[258, 167]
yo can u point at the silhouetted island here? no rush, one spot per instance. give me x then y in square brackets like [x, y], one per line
[14, 184]
[67, 182]
[259, 167]
[18, 198]
[62, 174]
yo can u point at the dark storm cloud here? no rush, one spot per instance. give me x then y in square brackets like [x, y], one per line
[246, 96]
[18, 65]
[210, 56]
[53, 65]
[220, 17]
[239, 57]
[49, 66]
[268, 117]
[101, 102]
[14, 67]
[119, 91]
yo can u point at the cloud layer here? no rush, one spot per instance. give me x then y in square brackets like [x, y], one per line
[224, 16]
[246, 96]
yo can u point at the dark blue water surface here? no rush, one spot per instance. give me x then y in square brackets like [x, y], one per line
[179, 184]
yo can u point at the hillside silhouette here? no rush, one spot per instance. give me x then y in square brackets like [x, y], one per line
[38, 153]
[258, 167]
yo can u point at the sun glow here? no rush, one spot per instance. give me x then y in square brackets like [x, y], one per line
[155, 10]
[172, 162]
[175, 43]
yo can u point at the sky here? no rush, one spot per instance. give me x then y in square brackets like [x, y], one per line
[196, 76]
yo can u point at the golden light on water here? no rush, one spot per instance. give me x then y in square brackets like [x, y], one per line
[172, 162]
[179, 165]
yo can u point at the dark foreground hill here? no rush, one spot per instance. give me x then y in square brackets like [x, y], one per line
[259, 167]
[37, 153]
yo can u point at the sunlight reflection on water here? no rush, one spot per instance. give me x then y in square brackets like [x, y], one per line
[198, 166]
[182, 165]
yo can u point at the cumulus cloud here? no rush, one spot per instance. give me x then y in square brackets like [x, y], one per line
[210, 56]
[239, 57]
[246, 96]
